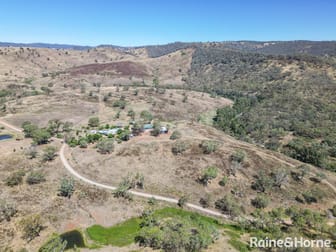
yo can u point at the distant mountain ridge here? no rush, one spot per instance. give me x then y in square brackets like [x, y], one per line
[45, 45]
[315, 48]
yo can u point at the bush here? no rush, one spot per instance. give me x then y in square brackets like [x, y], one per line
[175, 135]
[262, 183]
[105, 146]
[41, 136]
[93, 122]
[120, 104]
[15, 178]
[301, 172]
[313, 196]
[49, 153]
[280, 177]
[209, 174]
[155, 131]
[67, 187]
[209, 146]
[131, 113]
[83, 143]
[31, 227]
[146, 116]
[261, 201]
[229, 206]
[182, 201]
[205, 201]
[122, 192]
[238, 156]
[55, 244]
[31, 152]
[223, 181]
[35, 177]
[179, 147]
[7, 211]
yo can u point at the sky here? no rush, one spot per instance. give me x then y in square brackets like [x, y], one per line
[145, 22]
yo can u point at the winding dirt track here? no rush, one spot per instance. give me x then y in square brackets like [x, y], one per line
[71, 170]
[136, 193]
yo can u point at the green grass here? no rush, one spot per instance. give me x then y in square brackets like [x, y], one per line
[235, 232]
[240, 246]
[124, 233]
[119, 235]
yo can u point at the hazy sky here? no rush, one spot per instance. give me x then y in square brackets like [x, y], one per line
[131, 22]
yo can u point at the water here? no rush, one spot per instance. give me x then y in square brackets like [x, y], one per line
[6, 136]
[74, 239]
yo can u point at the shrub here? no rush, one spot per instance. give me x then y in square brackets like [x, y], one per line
[238, 156]
[223, 181]
[209, 174]
[182, 201]
[7, 211]
[262, 183]
[146, 116]
[152, 201]
[31, 227]
[122, 192]
[131, 113]
[83, 143]
[261, 201]
[120, 104]
[179, 147]
[229, 205]
[209, 146]
[93, 122]
[133, 180]
[49, 153]
[55, 244]
[31, 152]
[280, 177]
[205, 201]
[301, 172]
[105, 146]
[175, 135]
[155, 131]
[313, 196]
[67, 187]
[15, 178]
[35, 177]
[41, 136]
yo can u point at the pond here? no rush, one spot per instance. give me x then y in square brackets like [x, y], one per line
[5, 136]
[74, 239]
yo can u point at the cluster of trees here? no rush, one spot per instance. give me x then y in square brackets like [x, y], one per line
[178, 234]
[42, 135]
[271, 224]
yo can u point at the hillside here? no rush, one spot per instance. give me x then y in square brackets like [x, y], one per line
[251, 137]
